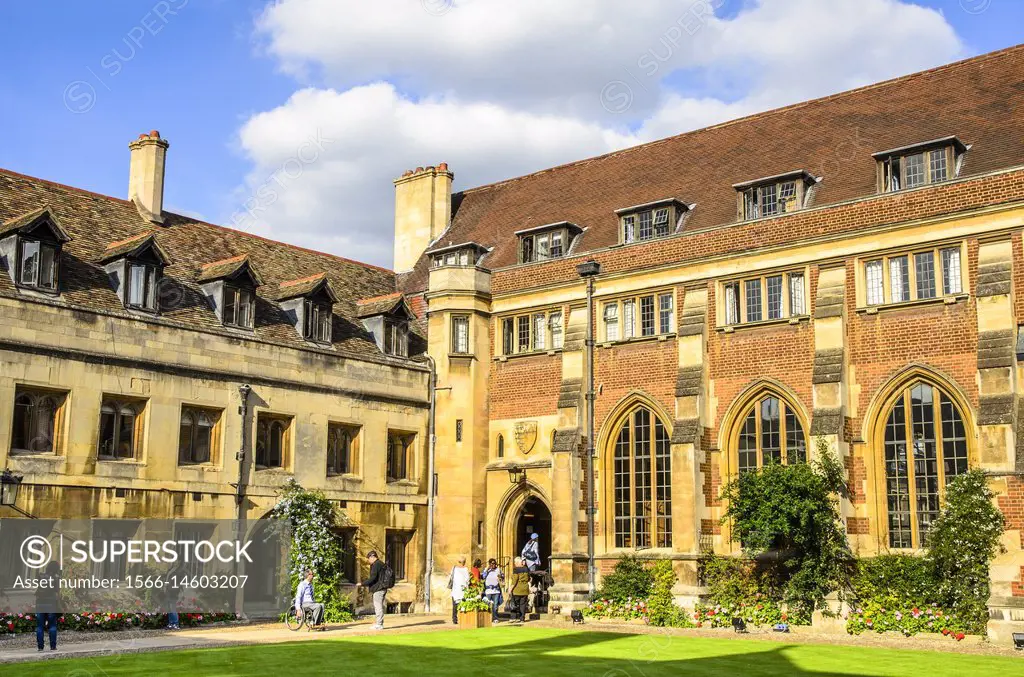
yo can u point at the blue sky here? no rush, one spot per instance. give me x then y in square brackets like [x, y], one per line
[494, 88]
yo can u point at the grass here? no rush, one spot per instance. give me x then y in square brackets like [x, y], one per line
[514, 651]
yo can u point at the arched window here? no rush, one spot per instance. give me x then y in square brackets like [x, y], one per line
[642, 473]
[195, 436]
[926, 421]
[119, 429]
[501, 446]
[770, 432]
[35, 421]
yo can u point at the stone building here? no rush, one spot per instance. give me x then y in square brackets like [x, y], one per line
[152, 365]
[846, 271]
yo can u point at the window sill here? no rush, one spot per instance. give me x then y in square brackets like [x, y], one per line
[636, 339]
[948, 300]
[28, 453]
[271, 468]
[345, 476]
[127, 461]
[795, 320]
[402, 483]
[531, 353]
[465, 357]
[50, 293]
[202, 467]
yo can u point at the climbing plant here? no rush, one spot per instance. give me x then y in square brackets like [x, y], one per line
[313, 520]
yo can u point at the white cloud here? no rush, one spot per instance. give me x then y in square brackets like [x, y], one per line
[499, 88]
[323, 161]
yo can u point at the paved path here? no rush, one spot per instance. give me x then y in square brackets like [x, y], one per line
[205, 638]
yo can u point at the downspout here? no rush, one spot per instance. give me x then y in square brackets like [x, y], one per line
[591, 396]
[431, 485]
[240, 529]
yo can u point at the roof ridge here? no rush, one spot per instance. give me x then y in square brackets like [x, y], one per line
[91, 193]
[752, 116]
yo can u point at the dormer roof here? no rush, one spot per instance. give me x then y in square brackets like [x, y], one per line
[801, 174]
[138, 246]
[306, 287]
[571, 227]
[389, 304]
[30, 222]
[230, 269]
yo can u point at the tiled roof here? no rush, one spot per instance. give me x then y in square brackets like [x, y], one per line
[978, 100]
[219, 270]
[133, 245]
[95, 222]
[18, 222]
[379, 305]
[305, 286]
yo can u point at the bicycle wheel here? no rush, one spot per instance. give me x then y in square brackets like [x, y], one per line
[292, 620]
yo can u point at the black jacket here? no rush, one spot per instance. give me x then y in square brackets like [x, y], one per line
[376, 581]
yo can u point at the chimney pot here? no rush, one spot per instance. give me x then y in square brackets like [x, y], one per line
[418, 170]
[443, 167]
[154, 134]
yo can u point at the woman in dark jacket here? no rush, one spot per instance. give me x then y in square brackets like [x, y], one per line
[519, 589]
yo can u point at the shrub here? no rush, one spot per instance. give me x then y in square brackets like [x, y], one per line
[631, 579]
[876, 615]
[662, 610]
[902, 581]
[787, 518]
[961, 545]
[15, 623]
[628, 609]
[473, 597]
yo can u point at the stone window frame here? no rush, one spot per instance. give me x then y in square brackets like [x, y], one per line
[900, 392]
[117, 405]
[886, 257]
[408, 459]
[398, 539]
[637, 300]
[457, 348]
[655, 530]
[273, 422]
[748, 413]
[739, 286]
[354, 433]
[194, 411]
[514, 320]
[35, 397]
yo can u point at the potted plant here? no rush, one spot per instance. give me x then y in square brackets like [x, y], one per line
[474, 610]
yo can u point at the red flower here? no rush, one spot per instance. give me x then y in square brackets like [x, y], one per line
[960, 636]
[945, 631]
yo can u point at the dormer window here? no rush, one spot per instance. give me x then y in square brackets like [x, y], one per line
[551, 241]
[396, 338]
[773, 195]
[31, 247]
[387, 318]
[650, 221]
[466, 254]
[135, 267]
[239, 308]
[37, 265]
[317, 323]
[142, 283]
[230, 287]
[309, 303]
[920, 164]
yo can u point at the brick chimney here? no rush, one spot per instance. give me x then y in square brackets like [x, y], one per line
[146, 175]
[423, 209]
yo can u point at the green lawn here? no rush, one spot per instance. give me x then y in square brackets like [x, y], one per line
[512, 651]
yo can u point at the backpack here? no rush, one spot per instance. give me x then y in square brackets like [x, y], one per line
[387, 577]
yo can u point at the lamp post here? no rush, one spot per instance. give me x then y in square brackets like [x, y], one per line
[588, 270]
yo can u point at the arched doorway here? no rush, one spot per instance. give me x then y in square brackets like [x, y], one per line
[533, 517]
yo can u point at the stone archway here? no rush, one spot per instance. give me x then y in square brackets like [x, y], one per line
[524, 511]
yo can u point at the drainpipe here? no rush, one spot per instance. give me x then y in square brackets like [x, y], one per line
[243, 409]
[431, 484]
[589, 270]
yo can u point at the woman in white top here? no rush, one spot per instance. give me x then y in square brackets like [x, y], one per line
[458, 582]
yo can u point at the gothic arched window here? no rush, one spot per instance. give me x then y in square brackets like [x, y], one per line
[642, 473]
[925, 446]
[770, 432]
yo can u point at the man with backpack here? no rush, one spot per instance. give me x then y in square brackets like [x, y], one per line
[382, 578]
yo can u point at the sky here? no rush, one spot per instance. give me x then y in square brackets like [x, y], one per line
[291, 118]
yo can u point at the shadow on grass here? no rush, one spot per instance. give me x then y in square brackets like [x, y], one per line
[512, 652]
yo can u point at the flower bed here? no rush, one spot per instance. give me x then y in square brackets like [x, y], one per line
[875, 616]
[11, 623]
[759, 612]
[629, 609]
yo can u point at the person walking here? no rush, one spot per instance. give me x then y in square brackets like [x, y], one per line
[519, 589]
[47, 606]
[380, 580]
[457, 582]
[531, 552]
[493, 580]
[476, 572]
